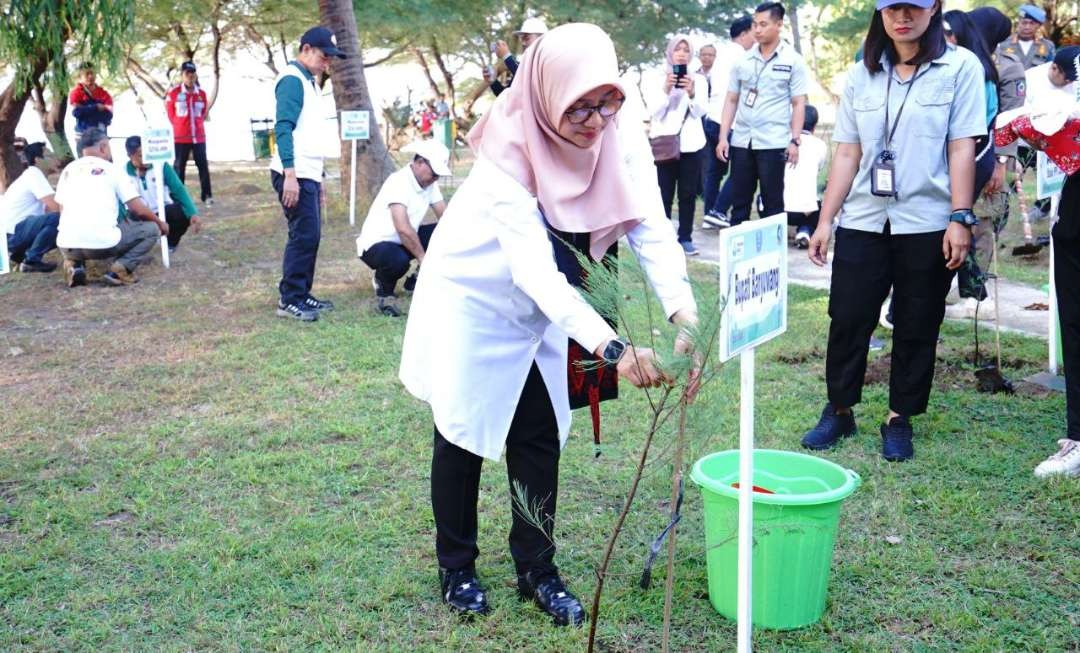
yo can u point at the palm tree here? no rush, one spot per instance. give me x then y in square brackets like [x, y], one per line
[373, 163]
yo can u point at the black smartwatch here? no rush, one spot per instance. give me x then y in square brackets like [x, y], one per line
[796, 142]
[614, 351]
[965, 217]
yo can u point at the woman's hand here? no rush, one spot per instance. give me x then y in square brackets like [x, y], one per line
[684, 345]
[954, 246]
[686, 83]
[997, 180]
[819, 245]
[638, 366]
[669, 82]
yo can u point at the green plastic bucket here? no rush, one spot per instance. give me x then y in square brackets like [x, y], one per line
[794, 532]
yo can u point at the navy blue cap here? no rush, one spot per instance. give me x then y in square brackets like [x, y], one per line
[322, 38]
[188, 66]
[1034, 13]
[924, 4]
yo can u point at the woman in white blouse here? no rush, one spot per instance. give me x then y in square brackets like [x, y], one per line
[486, 340]
[677, 107]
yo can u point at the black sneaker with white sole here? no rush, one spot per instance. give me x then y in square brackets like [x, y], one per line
[321, 305]
[388, 307]
[718, 220]
[301, 313]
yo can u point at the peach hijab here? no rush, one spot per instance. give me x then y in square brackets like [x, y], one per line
[579, 190]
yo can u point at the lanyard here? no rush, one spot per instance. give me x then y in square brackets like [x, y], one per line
[762, 69]
[890, 132]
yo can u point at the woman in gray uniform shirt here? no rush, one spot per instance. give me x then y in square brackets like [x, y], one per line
[902, 182]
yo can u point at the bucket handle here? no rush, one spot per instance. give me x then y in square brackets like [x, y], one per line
[854, 476]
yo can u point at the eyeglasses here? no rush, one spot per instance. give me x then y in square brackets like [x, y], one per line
[606, 110]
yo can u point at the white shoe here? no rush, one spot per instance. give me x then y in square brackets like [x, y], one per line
[1065, 462]
[718, 220]
[883, 318]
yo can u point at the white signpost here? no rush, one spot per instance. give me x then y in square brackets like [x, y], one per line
[355, 126]
[157, 149]
[753, 290]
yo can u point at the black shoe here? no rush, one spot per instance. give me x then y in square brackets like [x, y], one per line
[388, 307]
[830, 428]
[462, 591]
[549, 592]
[321, 305]
[301, 313]
[74, 273]
[36, 266]
[410, 283]
[896, 436]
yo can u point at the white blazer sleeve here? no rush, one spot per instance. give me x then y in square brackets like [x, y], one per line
[699, 104]
[523, 237]
[653, 241]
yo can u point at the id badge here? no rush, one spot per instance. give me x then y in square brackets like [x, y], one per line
[883, 177]
[751, 97]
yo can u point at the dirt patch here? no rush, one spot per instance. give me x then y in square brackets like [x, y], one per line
[116, 519]
[1033, 390]
[877, 371]
[801, 357]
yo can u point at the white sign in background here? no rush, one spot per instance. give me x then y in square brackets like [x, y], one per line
[158, 149]
[355, 125]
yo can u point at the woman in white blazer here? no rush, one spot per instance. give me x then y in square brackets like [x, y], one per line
[677, 105]
[486, 340]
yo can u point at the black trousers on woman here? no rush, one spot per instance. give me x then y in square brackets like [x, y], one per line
[865, 265]
[685, 175]
[532, 459]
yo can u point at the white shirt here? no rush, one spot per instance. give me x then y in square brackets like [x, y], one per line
[490, 301]
[800, 182]
[726, 55]
[399, 188]
[23, 198]
[90, 190]
[684, 118]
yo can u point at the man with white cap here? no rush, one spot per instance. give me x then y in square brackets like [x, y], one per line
[1024, 44]
[392, 235]
[531, 29]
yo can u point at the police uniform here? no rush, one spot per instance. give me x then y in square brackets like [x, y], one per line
[884, 242]
[1040, 52]
[1012, 87]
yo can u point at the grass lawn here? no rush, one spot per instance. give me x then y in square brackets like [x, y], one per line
[180, 470]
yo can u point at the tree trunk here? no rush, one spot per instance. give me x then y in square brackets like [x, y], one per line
[12, 102]
[373, 163]
[445, 73]
[427, 69]
[215, 60]
[51, 115]
[793, 9]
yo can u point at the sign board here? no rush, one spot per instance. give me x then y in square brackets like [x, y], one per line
[157, 145]
[1049, 179]
[355, 125]
[5, 260]
[753, 284]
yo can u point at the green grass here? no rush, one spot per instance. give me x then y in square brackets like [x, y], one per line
[183, 471]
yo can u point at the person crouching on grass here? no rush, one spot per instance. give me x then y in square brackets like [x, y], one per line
[180, 211]
[902, 181]
[487, 337]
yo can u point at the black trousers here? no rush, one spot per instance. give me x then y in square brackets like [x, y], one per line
[865, 265]
[391, 260]
[532, 459]
[302, 247]
[684, 174]
[804, 220]
[1067, 284]
[750, 167]
[178, 223]
[185, 150]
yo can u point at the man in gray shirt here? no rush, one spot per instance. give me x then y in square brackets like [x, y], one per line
[766, 99]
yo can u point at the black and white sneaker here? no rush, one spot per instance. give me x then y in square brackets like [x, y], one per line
[321, 305]
[716, 219]
[462, 591]
[410, 283]
[802, 239]
[301, 313]
[388, 306]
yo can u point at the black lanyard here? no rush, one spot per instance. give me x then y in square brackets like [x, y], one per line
[891, 132]
[757, 77]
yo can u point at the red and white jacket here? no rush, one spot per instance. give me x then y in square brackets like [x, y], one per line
[187, 113]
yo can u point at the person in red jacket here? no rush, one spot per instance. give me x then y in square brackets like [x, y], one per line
[91, 105]
[187, 106]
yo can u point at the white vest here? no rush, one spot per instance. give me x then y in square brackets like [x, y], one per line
[307, 158]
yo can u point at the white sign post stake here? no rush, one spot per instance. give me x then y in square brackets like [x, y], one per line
[157, 150]
[352, 186]
[746, 502]
[161, 210]
[355, 126]
[753, 287]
